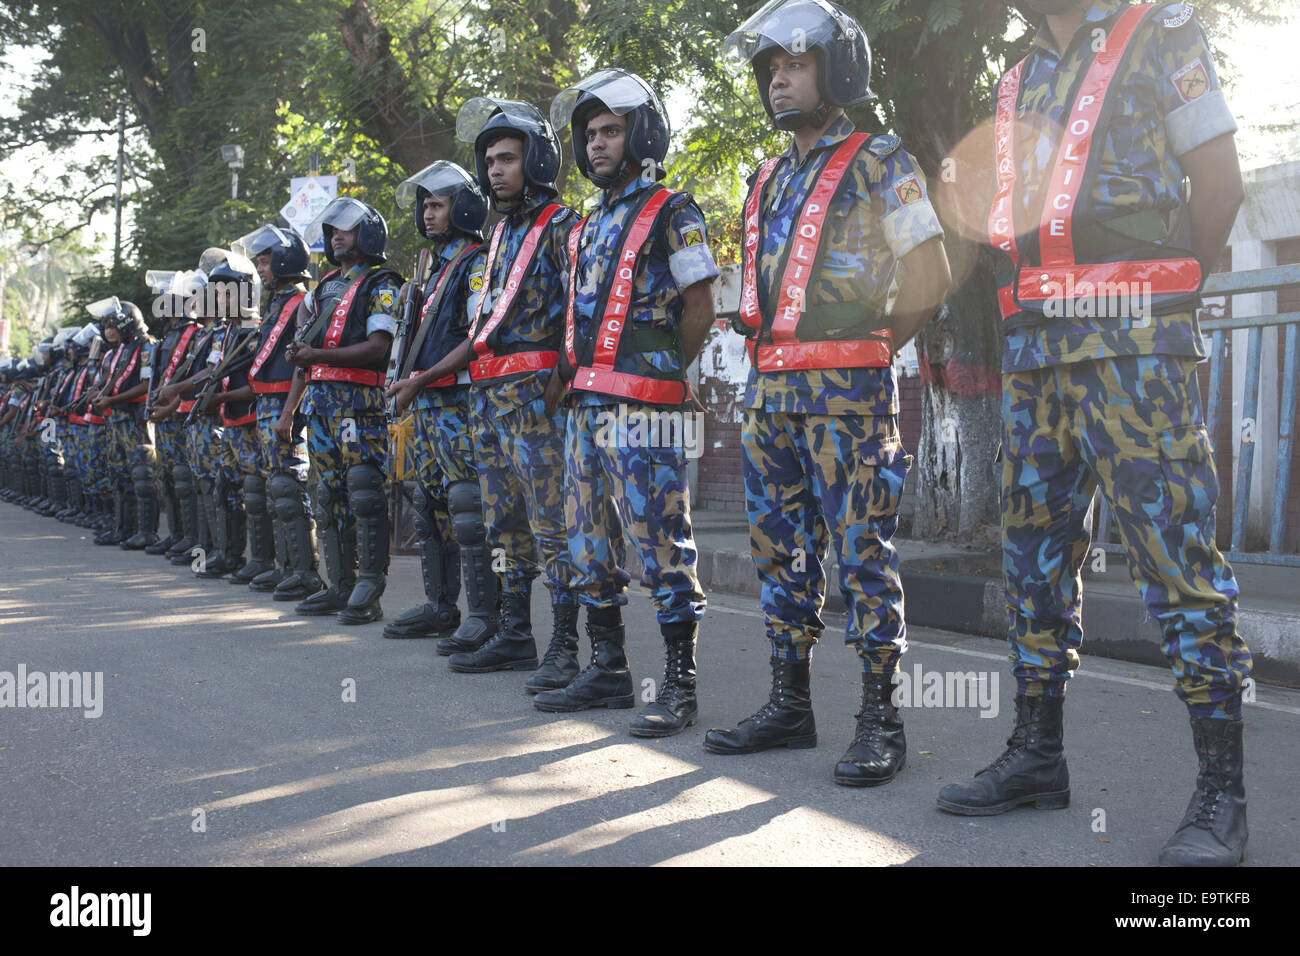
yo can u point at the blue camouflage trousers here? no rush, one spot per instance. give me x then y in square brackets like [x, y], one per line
[278, 455]
[339, 437]
[1133, 427]
[616, 485]
[95, 480]
[814, 480]
[444, 455]
[520, 460]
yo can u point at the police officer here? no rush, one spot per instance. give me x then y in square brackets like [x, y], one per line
[515, 336]
[341, 355]
[282, 263]
[629, 335]
[129, 465]
[450, 210]
[1102, 391]
[241, 495]
[173, 302]
[827, 225]
[73, 407]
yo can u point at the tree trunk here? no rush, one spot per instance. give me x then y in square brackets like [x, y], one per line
[959, 354]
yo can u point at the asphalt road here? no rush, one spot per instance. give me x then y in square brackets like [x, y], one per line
[225, 739]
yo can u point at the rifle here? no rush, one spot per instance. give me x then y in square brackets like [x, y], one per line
[235, 360]
[397, 354]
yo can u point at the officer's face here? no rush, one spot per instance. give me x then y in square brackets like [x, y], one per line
[437, 214]
[263, 262]
[605, 142]
[792, 83]
[343, 242]
[505, 168]
[111, 335]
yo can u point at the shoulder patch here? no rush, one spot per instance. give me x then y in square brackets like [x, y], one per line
[908, 190]
[476, 279]
[386, 298]
[1191, 81]
[1184, 13]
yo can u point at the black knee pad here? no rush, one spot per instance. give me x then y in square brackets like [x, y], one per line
[366, 491]
[465, 504]
[321, 501]
[183, 481]
[287, 495]
[255, 494]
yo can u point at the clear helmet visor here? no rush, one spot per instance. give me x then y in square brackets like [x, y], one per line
[794, 25]
[619, 90]
[159, 281]
[102, 309]
[259, 240]
[215, 256]
[342, 213]
[440, 178]
[85, 335]
[475, 113]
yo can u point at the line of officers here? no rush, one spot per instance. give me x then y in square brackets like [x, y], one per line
[259, 419]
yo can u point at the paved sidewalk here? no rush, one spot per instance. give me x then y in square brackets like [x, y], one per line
[225, 739]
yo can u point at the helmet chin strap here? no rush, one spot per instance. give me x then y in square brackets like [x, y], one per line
[791, 120]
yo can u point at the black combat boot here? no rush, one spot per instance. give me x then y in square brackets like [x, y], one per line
[260, 532]
[163, 545]
[606, 681]
[879, 749]
[1213, 831]
[369, 502]
[187, 506]
[674, 708]
[146, 510]
[438, 616]
[1031, 770]
[115, 532]
[482, 601]
[266, 582]
[340, 560]
[219, 561]
[512, 648]
[303, 580]
[786, 720]
[560, 662]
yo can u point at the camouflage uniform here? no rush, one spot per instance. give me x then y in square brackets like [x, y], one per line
[1114, 400]
[519, 450]
[823, 460]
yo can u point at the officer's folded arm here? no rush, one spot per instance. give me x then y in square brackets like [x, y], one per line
[924, 280]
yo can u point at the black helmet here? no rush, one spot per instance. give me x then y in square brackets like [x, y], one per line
[225, 267]
[623, 94]
[124, 317]
[469, 208]
[346, 213]
[483, 120]
[289, 257]
[796, 26]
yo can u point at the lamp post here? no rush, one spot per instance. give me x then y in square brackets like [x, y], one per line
[234, 157]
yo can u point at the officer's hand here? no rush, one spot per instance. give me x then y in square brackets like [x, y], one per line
[284, 428]
[303, 356]
[554, 392]
[401, 296]
[402, 393]
[99, 405]
[166, 394]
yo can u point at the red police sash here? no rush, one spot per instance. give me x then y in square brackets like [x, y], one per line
[182, 343]
[786, 351]
[1059, 274]
[487, 364]
[600, 376]
[272, 339]
[333, 334]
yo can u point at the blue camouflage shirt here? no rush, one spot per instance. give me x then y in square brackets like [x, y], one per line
[1170, 103]
[673, 260]
[880, 215]
[536, 318]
